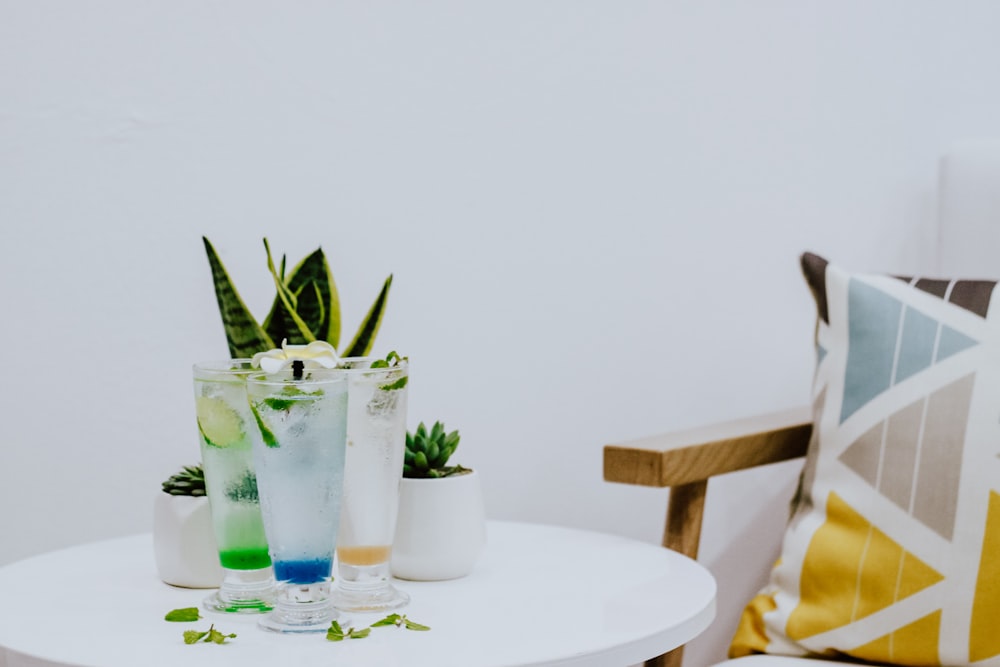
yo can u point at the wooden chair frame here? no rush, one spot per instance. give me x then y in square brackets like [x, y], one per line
[686, 460]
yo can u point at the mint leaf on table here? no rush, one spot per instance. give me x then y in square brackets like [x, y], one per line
[210, 635]
[336, 633]
[391, 619]
[410, 625]
[192, 636]
[217, 637]
[400, 621]
[184, 615]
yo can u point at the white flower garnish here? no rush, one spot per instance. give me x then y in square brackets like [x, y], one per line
[317, 354]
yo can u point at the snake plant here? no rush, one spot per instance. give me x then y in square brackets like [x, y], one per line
[306, 308]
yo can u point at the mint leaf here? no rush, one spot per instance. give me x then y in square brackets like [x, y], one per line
[335, 633]
[400, 621]
[192, 636]
[185, 615]
[217, 637]
[410, 625]
[244, 490]
[210, 635]
[398, 384]
[279, 403]
[391, 619]
[391, 361]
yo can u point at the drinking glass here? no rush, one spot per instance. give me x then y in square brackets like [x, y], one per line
[227, 432]
[302, 418]
[376, 443]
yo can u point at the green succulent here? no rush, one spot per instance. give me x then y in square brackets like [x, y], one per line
[190, 481]
[306, 307]
[427, 453]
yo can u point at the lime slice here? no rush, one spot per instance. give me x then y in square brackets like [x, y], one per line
[218, 423]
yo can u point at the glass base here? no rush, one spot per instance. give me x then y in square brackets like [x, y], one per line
[301, 608]
[363, 588]
[243, 592]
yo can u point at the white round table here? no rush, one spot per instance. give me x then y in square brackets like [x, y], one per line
[540, 595]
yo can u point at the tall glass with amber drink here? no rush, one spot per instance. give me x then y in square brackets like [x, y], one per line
[376, 443]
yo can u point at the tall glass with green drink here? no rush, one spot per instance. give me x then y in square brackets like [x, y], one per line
[302, 418]
[227, 433]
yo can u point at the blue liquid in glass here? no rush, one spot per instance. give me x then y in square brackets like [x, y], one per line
[303, 571]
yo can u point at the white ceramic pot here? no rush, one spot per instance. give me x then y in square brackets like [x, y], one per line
[184, 542]
[441, 528]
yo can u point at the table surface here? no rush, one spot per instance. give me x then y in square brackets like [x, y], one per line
[540, 595]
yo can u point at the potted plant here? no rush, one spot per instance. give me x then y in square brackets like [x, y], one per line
[183, 542]
[306, 308]
[441, 527]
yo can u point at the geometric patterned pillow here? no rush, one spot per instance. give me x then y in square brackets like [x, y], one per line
[892, 554]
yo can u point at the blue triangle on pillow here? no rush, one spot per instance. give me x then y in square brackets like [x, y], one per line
[952, 342]
[873, 323]
[916, 345]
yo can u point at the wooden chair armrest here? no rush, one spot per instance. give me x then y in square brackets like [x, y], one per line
[683, 457]
[685, 460]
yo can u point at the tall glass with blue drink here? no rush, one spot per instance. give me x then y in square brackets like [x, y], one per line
[302, 418]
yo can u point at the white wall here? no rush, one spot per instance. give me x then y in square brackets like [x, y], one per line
[593, 212]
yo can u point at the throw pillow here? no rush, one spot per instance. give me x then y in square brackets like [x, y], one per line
[892, 554]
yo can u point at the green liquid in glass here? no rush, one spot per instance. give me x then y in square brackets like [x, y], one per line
[245, 559]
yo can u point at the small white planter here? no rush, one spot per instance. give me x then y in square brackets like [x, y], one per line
[184, 542]
[441, 528]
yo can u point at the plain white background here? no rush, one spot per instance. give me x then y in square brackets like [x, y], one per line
[592, 210]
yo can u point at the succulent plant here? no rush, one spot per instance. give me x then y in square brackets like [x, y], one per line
[190, 481]
[306, 308]
[427, 453]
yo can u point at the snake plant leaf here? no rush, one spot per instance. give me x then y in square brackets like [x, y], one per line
[363, 339]
[293, 328]
[310, 306]
[322, 318]
[244, 335]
